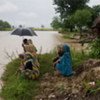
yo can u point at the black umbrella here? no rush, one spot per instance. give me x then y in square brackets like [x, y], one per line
[24, 32]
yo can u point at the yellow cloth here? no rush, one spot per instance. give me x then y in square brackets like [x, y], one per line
[34, 73]
[30, 48]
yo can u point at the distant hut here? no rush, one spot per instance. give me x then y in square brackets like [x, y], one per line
[96, 26]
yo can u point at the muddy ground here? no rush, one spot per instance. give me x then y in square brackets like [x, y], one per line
[71, 88]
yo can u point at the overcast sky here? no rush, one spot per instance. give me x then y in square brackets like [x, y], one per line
[30, 12]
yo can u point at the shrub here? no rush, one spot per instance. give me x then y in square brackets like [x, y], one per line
[95, 49]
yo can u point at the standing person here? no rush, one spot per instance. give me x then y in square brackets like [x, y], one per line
[29, 66]
[64, 63]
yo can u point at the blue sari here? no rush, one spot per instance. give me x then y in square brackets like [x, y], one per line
[64, 66]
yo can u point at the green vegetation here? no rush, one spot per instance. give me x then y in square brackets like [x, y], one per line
[56, 23]
[81, 18]
[74, 15]
[66, 8]
[42, 29]
[16, 87]
[94, 89]
[95, 49]
[4, 25]
[78, 58]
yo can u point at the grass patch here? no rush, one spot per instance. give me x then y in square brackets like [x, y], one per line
[78, 58]
[92, 90]
[43, 29]
[16, 87]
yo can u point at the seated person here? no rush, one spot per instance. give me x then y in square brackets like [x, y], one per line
[25, 43]
[31, 43]
[64, 64]
[29, 47]
[29, 66]
[59, 54]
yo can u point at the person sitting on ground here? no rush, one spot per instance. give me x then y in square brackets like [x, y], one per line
[24, 44]
[64, 64]
[31, 44]
[29, 66]
[29, 47]
[59, 54]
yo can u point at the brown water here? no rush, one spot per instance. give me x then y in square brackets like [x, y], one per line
[10, 45]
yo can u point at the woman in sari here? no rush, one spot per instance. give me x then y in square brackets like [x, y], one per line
[64, 63]
[30, 67]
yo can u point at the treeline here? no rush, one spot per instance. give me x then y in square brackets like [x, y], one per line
[4, 25]
[74, 15]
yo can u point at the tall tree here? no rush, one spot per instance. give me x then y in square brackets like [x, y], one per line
[96, 11]
[56, 23]
[4, 25]
[82, 18]
[67, 7]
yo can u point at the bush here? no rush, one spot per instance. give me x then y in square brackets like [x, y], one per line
[95, 49]
[78, 58]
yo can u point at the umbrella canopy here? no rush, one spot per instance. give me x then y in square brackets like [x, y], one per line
[24, 32]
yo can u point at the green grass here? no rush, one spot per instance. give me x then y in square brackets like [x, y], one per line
[78, 58]
[95, 49]
[16, 87]
[42, 29]
[90, 89]
[6, 29]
